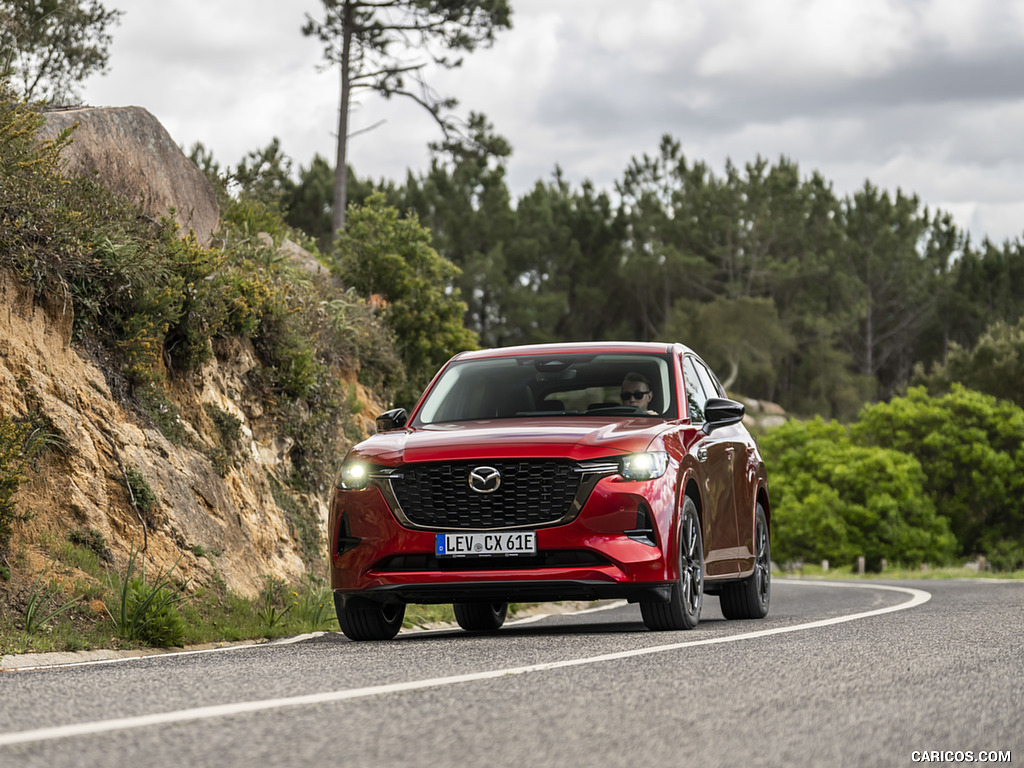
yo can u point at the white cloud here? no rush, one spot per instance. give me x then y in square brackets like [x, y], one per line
[810, 40]
[925, 95]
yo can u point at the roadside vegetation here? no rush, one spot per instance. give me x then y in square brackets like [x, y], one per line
[902, 573]
[79, 602]
[919, 479]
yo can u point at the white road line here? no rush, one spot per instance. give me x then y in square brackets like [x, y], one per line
[918, 597]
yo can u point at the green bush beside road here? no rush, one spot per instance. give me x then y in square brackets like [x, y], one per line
[920, 479]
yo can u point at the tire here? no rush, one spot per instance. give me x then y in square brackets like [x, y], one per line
[750, 598]
[682, 611]
[363, 619]
[480, 617]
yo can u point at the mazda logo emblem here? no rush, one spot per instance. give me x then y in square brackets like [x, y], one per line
[484, 479]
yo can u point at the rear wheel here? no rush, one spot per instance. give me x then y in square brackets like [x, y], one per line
[480, 617]
[363, 619]
[749, 599]
[682, 611]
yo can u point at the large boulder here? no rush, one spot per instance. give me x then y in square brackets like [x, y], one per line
[132, 154]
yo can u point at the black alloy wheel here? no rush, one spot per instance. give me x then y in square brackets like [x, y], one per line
[682, 611]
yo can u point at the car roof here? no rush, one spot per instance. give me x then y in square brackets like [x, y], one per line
[650, 347]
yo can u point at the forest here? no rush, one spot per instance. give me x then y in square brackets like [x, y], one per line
[793, 293]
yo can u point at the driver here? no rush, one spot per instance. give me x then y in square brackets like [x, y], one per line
[636, 391]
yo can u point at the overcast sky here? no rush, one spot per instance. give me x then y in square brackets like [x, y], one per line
[922, 95]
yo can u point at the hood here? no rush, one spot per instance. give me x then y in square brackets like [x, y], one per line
[576, 438]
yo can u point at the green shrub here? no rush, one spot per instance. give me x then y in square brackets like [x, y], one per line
[273, 606]
[145, 612]
[165, 415]
[971, 448]
[229, 425]
[43, 604]
[304, 522]
[142, 493]
[994, 366]
[91, 540]
[835, 500]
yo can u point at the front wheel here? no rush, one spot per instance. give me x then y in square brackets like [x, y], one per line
[480, 617]
[363, 619]
[682, 611]
[749, 599]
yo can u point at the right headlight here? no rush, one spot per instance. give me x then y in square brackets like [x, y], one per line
[644, 466]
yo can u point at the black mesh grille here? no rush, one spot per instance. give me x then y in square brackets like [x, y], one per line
[531, 493]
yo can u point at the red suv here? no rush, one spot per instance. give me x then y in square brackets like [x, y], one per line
[554, 472]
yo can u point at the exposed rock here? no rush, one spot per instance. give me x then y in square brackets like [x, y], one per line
[296, 253]
[762, 414]
[132, 154]
[233, 519]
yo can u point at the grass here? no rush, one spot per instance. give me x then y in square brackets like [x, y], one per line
[901, 573]
[82, 603]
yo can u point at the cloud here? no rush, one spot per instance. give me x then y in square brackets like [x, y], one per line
[924, 95]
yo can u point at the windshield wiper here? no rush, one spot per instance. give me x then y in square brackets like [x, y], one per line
[616, 410]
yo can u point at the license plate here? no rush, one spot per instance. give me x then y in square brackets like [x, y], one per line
[479, 544]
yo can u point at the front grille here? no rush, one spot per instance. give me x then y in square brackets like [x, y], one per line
[531, 493]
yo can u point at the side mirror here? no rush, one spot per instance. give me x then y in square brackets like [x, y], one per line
[393, 419]
[720, 412]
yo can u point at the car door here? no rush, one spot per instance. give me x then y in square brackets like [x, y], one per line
[715, 454]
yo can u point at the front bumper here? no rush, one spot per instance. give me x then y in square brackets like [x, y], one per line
[543, 589]
[596, 555]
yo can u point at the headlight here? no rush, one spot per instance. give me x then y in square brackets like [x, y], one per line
[644, 466]
[354, 476]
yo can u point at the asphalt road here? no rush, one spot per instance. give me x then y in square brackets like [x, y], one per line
[865, 674]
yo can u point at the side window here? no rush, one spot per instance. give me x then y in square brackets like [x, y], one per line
[695, 397]
[711, 385]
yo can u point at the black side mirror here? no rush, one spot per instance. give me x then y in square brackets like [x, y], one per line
[720, 412]
[393, 419]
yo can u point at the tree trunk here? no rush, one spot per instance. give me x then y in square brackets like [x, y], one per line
[341, 164]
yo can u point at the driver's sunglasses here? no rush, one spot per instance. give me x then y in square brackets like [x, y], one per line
[638, 395]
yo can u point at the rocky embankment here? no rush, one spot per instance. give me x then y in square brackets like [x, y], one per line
[224, 525]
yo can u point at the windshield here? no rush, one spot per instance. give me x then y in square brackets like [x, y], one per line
[584, 384]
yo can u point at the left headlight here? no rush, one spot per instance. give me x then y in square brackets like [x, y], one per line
[354, 475]
[644, 466]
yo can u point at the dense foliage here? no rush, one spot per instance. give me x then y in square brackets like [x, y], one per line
[792, 293]
[797, 295]
[994, 365]
[836, 500]
[384, 256]
[916, 479]
[971, 448]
